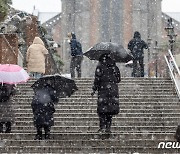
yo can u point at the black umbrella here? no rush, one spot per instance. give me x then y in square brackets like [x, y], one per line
[64, 87]
[116, 52]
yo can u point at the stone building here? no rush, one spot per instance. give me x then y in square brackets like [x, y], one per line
[94, 21]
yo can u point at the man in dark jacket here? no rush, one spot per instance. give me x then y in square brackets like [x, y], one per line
[77, 55]
[136, 46]
[43, 110]
[107, 77]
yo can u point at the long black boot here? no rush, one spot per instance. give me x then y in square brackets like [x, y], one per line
[102, 125]
[8, 127]
[39, 133]
[108, 124]
[47, 132]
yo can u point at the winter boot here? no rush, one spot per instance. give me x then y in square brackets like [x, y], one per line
[1, 127]
[8, 127]
[38, 137]
[47, 136]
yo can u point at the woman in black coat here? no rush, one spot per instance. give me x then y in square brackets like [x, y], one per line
[107, 77]
[43, 110]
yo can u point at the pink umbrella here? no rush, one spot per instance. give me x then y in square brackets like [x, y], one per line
[12, 74]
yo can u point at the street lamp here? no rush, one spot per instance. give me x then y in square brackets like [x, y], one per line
[157, 49]
[171, 34]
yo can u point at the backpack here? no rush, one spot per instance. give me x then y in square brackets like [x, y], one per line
[78, 48]
[137, 50]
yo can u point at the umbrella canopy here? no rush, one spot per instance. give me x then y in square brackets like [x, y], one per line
[63, 86]
[116, 52]
[12, 74]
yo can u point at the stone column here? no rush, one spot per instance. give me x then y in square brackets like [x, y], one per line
[67, 25]
[116, 21]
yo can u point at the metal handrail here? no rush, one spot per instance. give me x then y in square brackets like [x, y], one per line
[173, 68]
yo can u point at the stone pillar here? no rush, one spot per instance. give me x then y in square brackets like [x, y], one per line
[116, 21]
[68, 25]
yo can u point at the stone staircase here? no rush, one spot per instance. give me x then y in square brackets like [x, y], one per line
[149, 114]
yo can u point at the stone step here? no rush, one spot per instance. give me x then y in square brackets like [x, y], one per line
[128, 84]
[96, 123]
[122, 84]
[90, 103]
[93, 106]
[83, 143]
[121, 92]
[129, 80]
[59, 122]
[95, 128]
[125, 99]
[135, 79]
[130, 89]
[119, 118]
[122, 87]
[95, 114]
[142, 93]
[96, 149]
[84, 111]
[122, 79]
[82, 97]
[121, 96]
[89, 136]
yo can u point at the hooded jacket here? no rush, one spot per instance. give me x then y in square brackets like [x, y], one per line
[76, 49]
[35, 56]
[136, 46]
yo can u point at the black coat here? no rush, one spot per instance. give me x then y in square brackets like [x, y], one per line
[137, 45]
[43, 107]
[107, 77]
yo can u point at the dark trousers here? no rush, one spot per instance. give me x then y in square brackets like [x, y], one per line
[46, 130]
[136, 70]
[7, 125]
[177, 134]
[105, 121]
[76, 64]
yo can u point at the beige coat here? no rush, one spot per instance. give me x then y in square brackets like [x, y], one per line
[35, 56]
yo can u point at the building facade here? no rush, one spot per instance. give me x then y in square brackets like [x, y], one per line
[94, 21]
